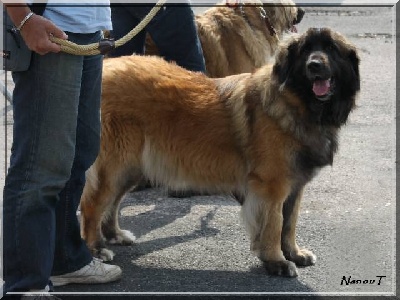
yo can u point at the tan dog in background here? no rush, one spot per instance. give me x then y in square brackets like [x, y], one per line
[240, 36]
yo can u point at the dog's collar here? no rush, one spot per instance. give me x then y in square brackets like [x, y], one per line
[267, 21]
[263, 14]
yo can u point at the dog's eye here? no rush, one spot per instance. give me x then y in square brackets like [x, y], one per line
[305, 48]
[332, 48]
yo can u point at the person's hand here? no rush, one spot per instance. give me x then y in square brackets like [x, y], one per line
[36, 33]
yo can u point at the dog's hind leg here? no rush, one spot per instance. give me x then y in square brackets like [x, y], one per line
[291, 207]
[262, 213]
[104, 189]
[110, 224]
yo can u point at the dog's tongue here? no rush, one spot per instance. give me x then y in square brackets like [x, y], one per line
[321, 87]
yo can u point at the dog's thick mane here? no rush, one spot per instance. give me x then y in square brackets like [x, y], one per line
[266, 94]
[314, 125]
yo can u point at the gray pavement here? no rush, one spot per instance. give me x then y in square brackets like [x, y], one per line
[198, 245]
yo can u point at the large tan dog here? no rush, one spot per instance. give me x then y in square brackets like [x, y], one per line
[240, 36]
[259, 136]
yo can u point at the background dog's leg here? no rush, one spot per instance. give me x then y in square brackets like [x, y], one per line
[291, 207]
[262, 212]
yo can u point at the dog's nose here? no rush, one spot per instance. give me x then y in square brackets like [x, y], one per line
[315, 66]
[300, 15]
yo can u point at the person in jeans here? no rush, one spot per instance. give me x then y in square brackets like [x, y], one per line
[173, 31]
[56, 111]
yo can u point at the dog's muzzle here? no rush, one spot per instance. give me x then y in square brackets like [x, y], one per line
[300, 14]
[319, 73]
[297, 20]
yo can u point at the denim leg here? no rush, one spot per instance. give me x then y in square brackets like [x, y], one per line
[173, 30]
[175, 35]
[46, 101]
[124, 21]
[71, 252]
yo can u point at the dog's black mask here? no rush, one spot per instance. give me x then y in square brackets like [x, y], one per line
[322, 68]
[300, 14]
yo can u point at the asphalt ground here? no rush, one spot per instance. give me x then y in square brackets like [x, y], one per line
[198, 246]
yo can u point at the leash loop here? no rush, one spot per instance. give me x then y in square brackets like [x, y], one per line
[106, 45]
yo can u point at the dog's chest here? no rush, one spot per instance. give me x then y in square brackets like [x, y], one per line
[310, 158]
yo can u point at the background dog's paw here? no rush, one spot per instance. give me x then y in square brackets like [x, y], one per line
[122, 237]
[281, 268]
[103, 253]
[302, 257]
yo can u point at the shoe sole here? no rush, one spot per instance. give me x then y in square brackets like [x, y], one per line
[61, 281]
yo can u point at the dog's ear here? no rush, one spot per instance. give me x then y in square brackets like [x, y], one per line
[355, 62]
[285, 60]
[338, 111]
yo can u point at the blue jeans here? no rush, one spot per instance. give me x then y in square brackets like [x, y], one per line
[56, 109]
[173, 31]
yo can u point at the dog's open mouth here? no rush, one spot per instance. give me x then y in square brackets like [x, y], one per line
[293, 29]
[322, 88]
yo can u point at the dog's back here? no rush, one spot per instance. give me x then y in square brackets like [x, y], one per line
[151, 105]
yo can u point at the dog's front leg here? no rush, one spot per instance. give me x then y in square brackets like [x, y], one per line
[292, 252]
[262, 213]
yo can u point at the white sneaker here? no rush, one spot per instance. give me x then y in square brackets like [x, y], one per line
[95, 272]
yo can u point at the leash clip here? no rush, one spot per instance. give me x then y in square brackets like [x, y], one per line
[106, 45]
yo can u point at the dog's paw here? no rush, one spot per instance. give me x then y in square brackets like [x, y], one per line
[281, 268]
[103, 253]
[122, 237]
[302, 257]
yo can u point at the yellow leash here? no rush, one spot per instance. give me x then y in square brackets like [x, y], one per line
[106, 45]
